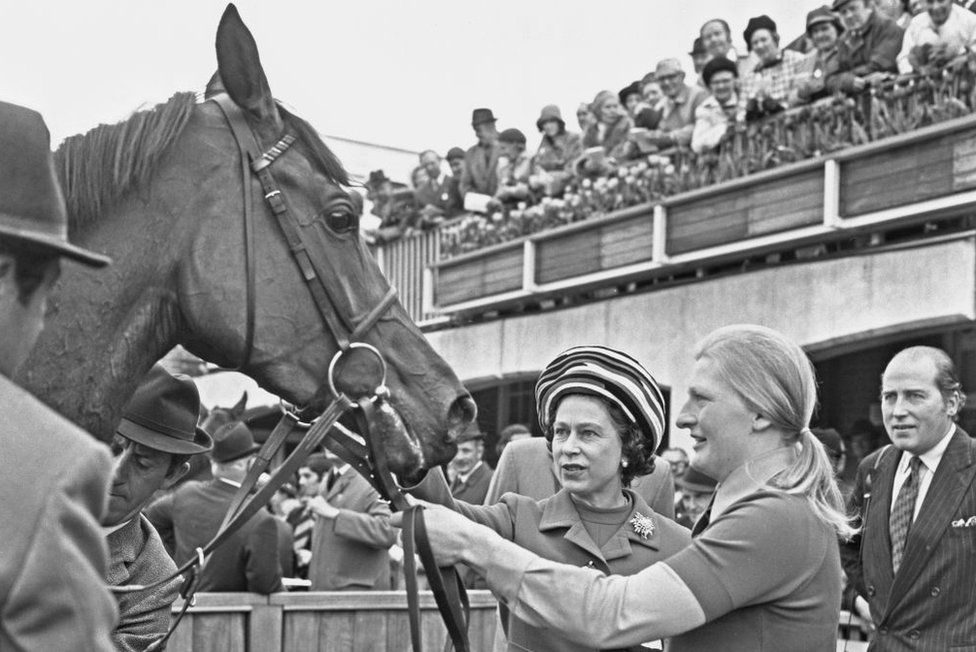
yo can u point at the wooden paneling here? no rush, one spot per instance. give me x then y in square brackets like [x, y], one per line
[779, 205]
[404, 261]
[614, 244]
[473, 278]
[909, 174]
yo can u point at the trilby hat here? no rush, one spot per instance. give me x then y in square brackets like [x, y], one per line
[480, 116]
[31, 204]
[163, 414]
[471, 433]
[232, 441]
[605, 373]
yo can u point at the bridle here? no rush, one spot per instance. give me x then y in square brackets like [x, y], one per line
[368, 459]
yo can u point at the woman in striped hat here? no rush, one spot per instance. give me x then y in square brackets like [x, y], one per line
[603, 417]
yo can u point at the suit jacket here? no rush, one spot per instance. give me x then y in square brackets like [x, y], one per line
[351, 551]
[247, 561]
[874, 49]
[137, 556]
[445, 196]
[54, 481]
[520, 471]
[479, 175]
[474, 489]
[930, 604]
[552, 529]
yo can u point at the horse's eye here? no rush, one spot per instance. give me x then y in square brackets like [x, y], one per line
[340, 220]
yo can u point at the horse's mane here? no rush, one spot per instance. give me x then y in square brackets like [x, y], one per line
[98, 168]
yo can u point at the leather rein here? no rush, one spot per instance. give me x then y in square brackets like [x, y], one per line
[368, 459]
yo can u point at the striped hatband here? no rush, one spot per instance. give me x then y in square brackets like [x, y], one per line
[606, 373]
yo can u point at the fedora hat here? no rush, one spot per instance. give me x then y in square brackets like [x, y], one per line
[454, 153]
[480, 116]
[163, 414]
[233, 441]
[31, 204]
[471, 433]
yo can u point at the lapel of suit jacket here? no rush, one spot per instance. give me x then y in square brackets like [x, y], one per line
[948, 487]
[877, 549]
[340, 486]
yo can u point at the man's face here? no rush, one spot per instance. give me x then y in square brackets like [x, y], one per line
[139, 472]
[21, 323]
[715, 39]
[855, 14]
[938, 10]
[824, 36]
[309, 483]
[457, 166]
[717, 419]
[432, 163]
[486, 133]
[915, 413]
[468, 454]
[722, 85]
[672, 84]
[764, 45]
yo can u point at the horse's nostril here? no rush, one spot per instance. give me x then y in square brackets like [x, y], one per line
[462, 412]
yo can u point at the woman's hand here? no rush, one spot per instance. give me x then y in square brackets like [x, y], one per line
[453, 538]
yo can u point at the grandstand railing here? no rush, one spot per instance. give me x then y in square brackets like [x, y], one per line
[814, 174]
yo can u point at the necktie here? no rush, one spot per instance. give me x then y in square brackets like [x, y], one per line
[456, 484]
[704, 519]
[901, 515]
[333, 476]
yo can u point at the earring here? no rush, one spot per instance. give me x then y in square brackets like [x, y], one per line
[624, 464]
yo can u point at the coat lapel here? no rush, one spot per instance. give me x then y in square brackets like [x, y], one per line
[124, 545]
[561, 513]
[878, 548]
[947, 489]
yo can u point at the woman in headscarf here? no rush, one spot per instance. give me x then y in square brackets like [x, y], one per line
[762, 573]
[603, 417]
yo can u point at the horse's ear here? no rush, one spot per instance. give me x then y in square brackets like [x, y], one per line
[239, 67]
[214, 87]
[238, 410]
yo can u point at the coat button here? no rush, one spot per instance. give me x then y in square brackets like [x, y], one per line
[871, 590]
[935, 591]
[914, 634]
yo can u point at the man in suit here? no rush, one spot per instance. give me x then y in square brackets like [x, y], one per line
[53, 475]
[915, 559]
[157, 435]
[481, 159]
[352, 534]
[470, 474]
[191, 515]
[868, 50]
[438, 197]
[526, 468]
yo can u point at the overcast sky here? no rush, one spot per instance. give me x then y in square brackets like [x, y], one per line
[395, 73]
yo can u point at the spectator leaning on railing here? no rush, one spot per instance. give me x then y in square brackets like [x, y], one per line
[824, 29]
[720, 109]
[772, 86]
[514, 168]
[455, 159]
[552, 166]
[609, 132]
[439, 196]
[716, 36]
[678, 117]
[868, 50]
[699, 56]
[942, 36]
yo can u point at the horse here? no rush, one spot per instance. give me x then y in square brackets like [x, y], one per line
[164, 195]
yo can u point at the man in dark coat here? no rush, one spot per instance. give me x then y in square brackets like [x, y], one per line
[914, 561]
[53, 475]
[868, 50]
[481, 159]
[158, 434]
[470, 475]
[248, 560]
[438, 197]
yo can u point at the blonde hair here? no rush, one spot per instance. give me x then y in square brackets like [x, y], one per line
[774, 378]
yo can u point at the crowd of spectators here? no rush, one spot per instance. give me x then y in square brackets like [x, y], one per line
[668, 131]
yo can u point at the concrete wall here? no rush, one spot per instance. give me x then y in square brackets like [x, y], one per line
[822, 301]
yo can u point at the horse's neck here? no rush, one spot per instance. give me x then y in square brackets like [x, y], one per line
[103, 331]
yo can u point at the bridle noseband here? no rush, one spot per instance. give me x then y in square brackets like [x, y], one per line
[370, 459]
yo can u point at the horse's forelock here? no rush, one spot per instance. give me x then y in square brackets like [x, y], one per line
[323, 156]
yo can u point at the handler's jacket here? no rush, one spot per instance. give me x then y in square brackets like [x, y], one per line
[54, 481]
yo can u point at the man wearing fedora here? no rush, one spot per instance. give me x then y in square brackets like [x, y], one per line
[157, 435]
[248, 560]
[53, 475]
[481, 159]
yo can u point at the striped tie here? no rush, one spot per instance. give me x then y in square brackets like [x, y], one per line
[901, 515]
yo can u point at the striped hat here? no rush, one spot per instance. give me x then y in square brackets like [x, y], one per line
[606, 373]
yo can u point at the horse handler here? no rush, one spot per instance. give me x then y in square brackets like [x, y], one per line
[53, 475]
[158, 435]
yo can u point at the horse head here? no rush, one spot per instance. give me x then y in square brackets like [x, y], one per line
[190, 270]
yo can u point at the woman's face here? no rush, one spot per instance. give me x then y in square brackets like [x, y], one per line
[550, 128]
[653, 93]
[824, 36]
[764, 45]
[610, 110]
[587, 451]
[715, 39]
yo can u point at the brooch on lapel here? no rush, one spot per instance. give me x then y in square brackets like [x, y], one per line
[643, 525]
[965, 522]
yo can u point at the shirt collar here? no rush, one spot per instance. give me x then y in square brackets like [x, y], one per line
[932, 456]
[682, 95]
[115, 528]
[751, 477]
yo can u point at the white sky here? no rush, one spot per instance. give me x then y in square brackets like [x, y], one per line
[396, 73]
